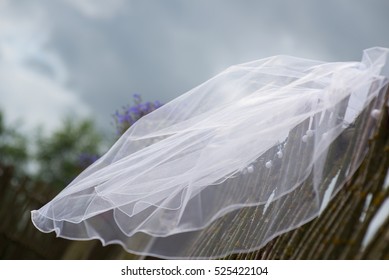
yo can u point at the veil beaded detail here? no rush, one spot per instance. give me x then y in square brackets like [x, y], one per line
[253, 152]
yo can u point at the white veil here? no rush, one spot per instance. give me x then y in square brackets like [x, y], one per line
[253, 152]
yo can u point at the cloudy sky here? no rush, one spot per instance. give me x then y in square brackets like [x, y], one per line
[88, 57]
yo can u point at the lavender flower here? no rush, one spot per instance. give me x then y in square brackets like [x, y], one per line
[130, 114]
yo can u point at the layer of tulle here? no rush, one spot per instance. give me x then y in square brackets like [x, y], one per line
[254, 152]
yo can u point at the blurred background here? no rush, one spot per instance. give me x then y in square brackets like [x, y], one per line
[75, 74]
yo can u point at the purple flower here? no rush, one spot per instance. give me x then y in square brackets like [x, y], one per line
[120, 118]
[128, 118]
[149, 107]
[86, 159]
[133, 110]
[157, 104]
[142, 108]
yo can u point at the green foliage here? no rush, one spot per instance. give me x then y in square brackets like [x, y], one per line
[13, 147]
[58, 156]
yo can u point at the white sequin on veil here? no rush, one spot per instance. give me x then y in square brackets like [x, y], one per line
[243, 157]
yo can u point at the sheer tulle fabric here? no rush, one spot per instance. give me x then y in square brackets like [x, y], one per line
[255, 151]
